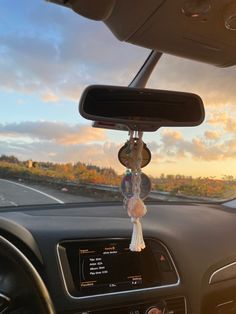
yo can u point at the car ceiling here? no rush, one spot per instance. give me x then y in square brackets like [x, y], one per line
[201, 30]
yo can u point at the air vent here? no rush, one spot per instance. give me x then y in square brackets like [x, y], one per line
[176, 305]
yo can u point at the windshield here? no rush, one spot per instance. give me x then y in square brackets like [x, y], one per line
[49, 154]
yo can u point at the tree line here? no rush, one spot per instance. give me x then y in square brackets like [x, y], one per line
[12, 167]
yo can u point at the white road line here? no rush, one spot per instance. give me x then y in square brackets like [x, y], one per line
[2, 199]
[13, 203]
[35, 190]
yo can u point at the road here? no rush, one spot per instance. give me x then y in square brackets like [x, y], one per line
[15, 193]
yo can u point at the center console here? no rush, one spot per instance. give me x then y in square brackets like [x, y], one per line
[100, 267]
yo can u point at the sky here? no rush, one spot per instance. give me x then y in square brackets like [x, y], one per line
[49, 54]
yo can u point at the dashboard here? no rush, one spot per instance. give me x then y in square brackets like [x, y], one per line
[81, 253]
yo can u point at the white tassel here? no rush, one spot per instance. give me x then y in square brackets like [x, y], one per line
[136, 210]
[137, 243]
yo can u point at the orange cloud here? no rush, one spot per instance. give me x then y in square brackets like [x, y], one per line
[224, 119]
[50, 97]
[174, 147]
[57, 132]
[170, 136]
[212, 135]
[84, 134]
[218, 118]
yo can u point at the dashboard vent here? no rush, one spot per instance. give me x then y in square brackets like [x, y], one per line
[176, 305]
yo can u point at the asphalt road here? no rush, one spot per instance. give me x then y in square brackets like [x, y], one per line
[15, 193]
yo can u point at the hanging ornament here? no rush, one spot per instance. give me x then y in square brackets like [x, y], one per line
[127, 185]
[135, 186]
[125, 156]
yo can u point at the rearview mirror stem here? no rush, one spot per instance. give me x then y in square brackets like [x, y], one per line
[143, 75]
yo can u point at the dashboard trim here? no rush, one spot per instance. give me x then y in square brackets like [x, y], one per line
[224, 303]
[118, 292]
[211, 281]
[5, 300]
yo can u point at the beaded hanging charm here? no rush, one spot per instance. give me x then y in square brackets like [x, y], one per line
[136, 186]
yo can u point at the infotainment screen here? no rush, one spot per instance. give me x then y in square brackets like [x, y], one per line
[106, 266]
[103, 266]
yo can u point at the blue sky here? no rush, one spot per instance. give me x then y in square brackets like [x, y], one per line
[48, 55]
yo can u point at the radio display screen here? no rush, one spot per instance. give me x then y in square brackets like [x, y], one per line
[107, 266]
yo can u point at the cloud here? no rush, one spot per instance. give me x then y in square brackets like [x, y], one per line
[50, 97]
[59, 142]
[212, 135]
[54, 53]
[170, 137]
[208, 148]
[218, 118]
[153, 146]
[55, 49]
[215, 85]
[225, 120]
[61, 133]
[101, 154]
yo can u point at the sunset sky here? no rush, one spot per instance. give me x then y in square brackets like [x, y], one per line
[48, 55]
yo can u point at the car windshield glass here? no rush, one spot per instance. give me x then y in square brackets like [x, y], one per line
[49, 154]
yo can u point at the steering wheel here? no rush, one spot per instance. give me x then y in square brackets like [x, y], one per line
[22, 290]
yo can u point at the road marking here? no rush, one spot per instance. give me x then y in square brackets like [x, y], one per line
[5, 201]
[13, 203]
[35, 190]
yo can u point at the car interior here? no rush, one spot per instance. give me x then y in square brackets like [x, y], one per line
[81, 257]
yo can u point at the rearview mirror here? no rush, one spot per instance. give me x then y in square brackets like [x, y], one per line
[140, 109]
